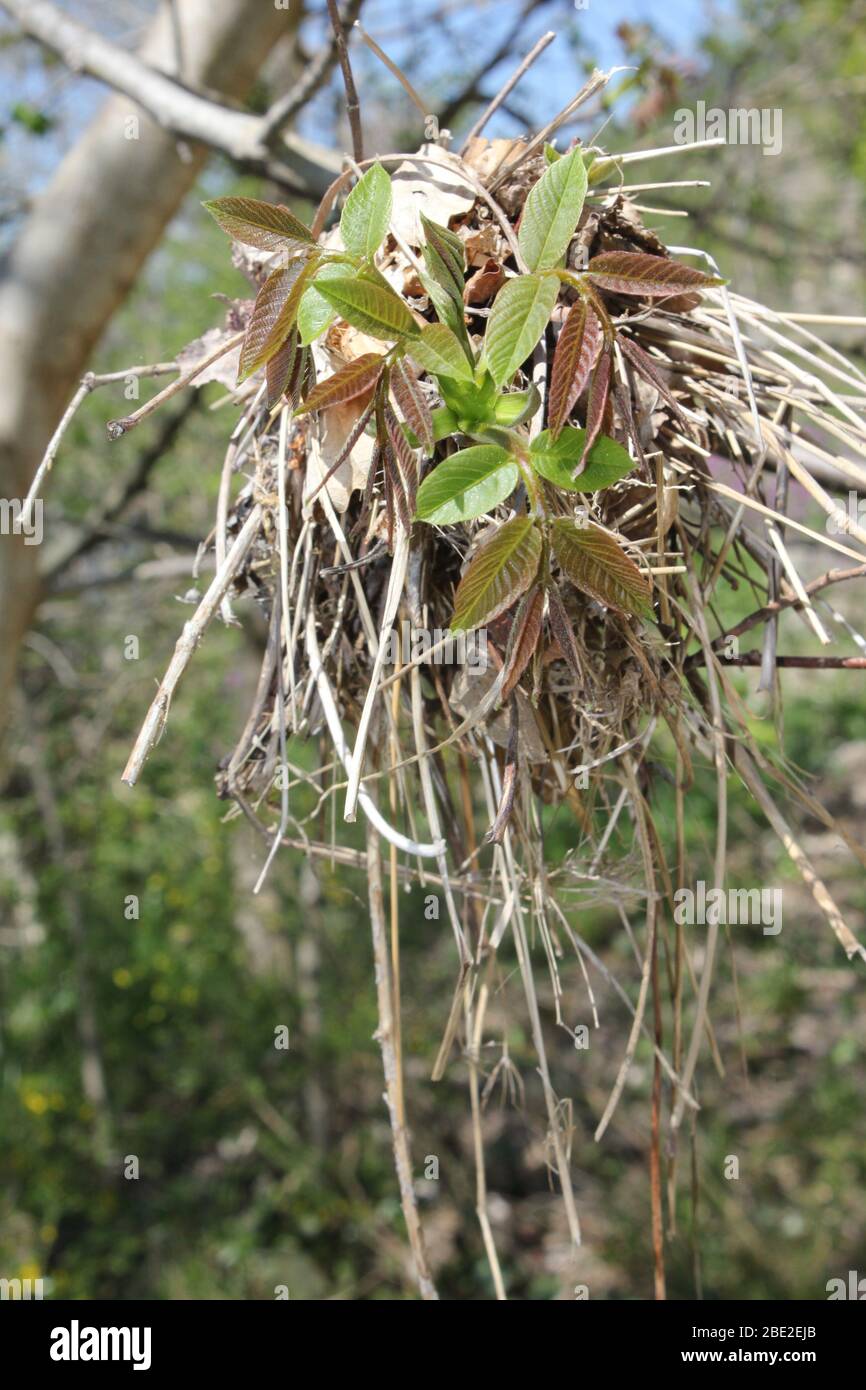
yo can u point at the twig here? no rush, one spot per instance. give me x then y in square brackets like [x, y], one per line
[116, 428]
[311, 80]
[512, 82]
[393, 68]
[189, 639]
[385, 1038]
[88, 383]
[353, 106]
[804, 663]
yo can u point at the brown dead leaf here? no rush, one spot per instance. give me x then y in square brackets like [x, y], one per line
[487, 157]
[481, 243]
[483, 285]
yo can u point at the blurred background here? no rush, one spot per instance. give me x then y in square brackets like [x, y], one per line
[140, 981]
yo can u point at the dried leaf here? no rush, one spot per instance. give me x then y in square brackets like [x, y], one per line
[484, 284]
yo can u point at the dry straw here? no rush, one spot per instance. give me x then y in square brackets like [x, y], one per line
[434, 764]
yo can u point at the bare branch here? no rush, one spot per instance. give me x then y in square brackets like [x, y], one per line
[303, 165]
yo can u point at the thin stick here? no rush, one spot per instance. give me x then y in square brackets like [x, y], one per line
[116, 428]
[392, 67]
[508, 88]
[802, 663]
[353, 106]
[596, 81]
[88, 383]
[189, 639]
[385, 1038]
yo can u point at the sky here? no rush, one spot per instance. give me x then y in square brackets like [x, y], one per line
[467, 31]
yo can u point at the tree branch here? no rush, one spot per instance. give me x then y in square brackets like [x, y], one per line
[302, 165]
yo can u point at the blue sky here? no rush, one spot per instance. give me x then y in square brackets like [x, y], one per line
[468, 32]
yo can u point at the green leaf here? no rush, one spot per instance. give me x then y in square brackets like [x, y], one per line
[438, 350]
[467, 485]
[552, 211]
[516, 407]
[315, 314]
[273, 316]
[556, 460]
[352, 380]
[267, 226]
[472, 401]
[596, 563]
[444, 423]
[445, 258]
[372, 308]
[517, 320]
[501, 570]
[635, 272]
[367, 213]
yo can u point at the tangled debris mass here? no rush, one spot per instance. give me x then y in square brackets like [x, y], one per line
[718, 406]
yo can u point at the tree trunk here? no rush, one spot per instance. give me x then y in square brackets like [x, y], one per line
[82, 248]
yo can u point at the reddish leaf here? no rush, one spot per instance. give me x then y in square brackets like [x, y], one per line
[264, 225]
[395, 494]
[634, 272]
[595, 562]
[405, 457]
[413, 403]
[560, 624]
[280, 369]
[646, 367]
[274, 314]
[502, 568]
[356, 378]
[523, 639]
[577, 348]
[595, 409]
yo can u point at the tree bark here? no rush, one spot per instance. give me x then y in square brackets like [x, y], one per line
[82, 248]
